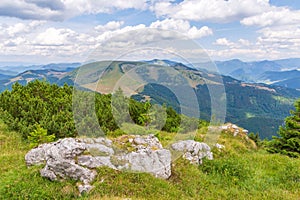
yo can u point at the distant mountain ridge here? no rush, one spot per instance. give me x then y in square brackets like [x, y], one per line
[23, 74]
[17, 69]
[278, 72]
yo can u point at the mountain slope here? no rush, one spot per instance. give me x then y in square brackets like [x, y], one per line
[289, 64]
[290, 83]
[250, 105]
[255, 103]
[290, 79]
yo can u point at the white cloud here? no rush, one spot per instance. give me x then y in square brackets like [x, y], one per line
[55, 37]
[283, 37]
[252, 53]
[244, 42]
[18, 29]
[224, 42]
[110, 26]
[183, 27]
[114, 38]
[103, 6]
[58, 10]
[31, 9]
[14, 42]
[211, 10]
[272, 43]
[248, 12]
[276, 16]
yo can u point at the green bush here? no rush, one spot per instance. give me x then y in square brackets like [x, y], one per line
[39, 136]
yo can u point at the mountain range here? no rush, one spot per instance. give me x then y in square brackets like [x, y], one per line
[277, 72]
[258, 107]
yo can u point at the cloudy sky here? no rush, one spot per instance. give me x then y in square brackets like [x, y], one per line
[39, 31]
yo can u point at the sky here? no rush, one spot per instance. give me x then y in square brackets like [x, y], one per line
[40, 32]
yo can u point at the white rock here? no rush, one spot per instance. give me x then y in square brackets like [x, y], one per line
[224, 127]
[219, 146]
[99, 149]
[234, 126]
[94, 162]
[64, 159]
[235, 133]
[156, 162]
[245, 131]
[193, 151]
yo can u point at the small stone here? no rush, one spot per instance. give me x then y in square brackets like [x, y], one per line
[236, 132]
[245, 131]
[234, 126]
[85, 188]
[219, 146]
[225, 127]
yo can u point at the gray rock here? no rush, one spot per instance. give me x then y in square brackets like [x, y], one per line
[99, 149]
[156, 162]
[85, 188]
[67, 148]
[104, 141]
[148, 156]
[193, 151]
[45, 172]
[94, 162]
[67, 168]
[64, 158]
[99, 140]
[60, 160]
[37, 155]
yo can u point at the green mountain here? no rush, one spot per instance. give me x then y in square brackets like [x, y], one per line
[257, 107]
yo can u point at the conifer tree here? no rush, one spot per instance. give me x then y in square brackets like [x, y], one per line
[288, 142]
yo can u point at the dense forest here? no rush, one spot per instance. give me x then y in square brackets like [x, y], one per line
[41, 106]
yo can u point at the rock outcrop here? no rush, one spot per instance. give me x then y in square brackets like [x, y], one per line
[78, 158]
[234, 129]
[193, 151]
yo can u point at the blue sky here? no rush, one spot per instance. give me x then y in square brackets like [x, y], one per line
[38, 31]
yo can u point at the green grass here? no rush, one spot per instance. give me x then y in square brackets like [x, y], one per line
[239, 172]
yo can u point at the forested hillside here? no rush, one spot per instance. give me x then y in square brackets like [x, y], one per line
[41, 104]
